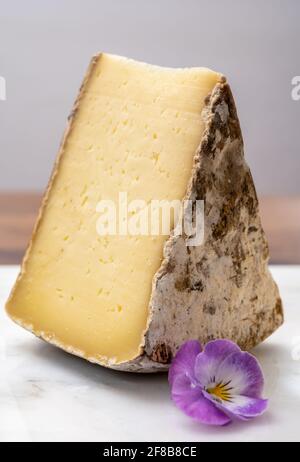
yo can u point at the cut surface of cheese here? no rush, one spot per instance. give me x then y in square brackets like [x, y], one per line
[135, 128]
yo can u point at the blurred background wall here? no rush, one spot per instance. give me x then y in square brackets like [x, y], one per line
[45, 46]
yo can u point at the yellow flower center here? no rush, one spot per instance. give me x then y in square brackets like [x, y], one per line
[221, 391]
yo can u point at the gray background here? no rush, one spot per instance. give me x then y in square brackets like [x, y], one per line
[45, 47]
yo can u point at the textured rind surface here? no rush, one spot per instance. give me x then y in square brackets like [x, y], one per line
[222, 288]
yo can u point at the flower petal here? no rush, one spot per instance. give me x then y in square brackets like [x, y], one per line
[208, 362]
[184, 361]
[191, 401]
[245, 408]
[243, 373]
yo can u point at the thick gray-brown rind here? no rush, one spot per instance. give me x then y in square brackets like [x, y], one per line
[223, 288]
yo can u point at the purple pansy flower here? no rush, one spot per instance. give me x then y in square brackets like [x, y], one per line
[217, 384]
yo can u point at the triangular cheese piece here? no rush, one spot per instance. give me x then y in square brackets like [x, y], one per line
[129, 301]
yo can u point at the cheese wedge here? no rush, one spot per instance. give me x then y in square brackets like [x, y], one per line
[128, 301]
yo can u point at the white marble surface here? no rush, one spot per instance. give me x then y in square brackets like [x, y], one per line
[48, 395]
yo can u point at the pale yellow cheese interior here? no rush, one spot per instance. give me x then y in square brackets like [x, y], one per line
[136, 129]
